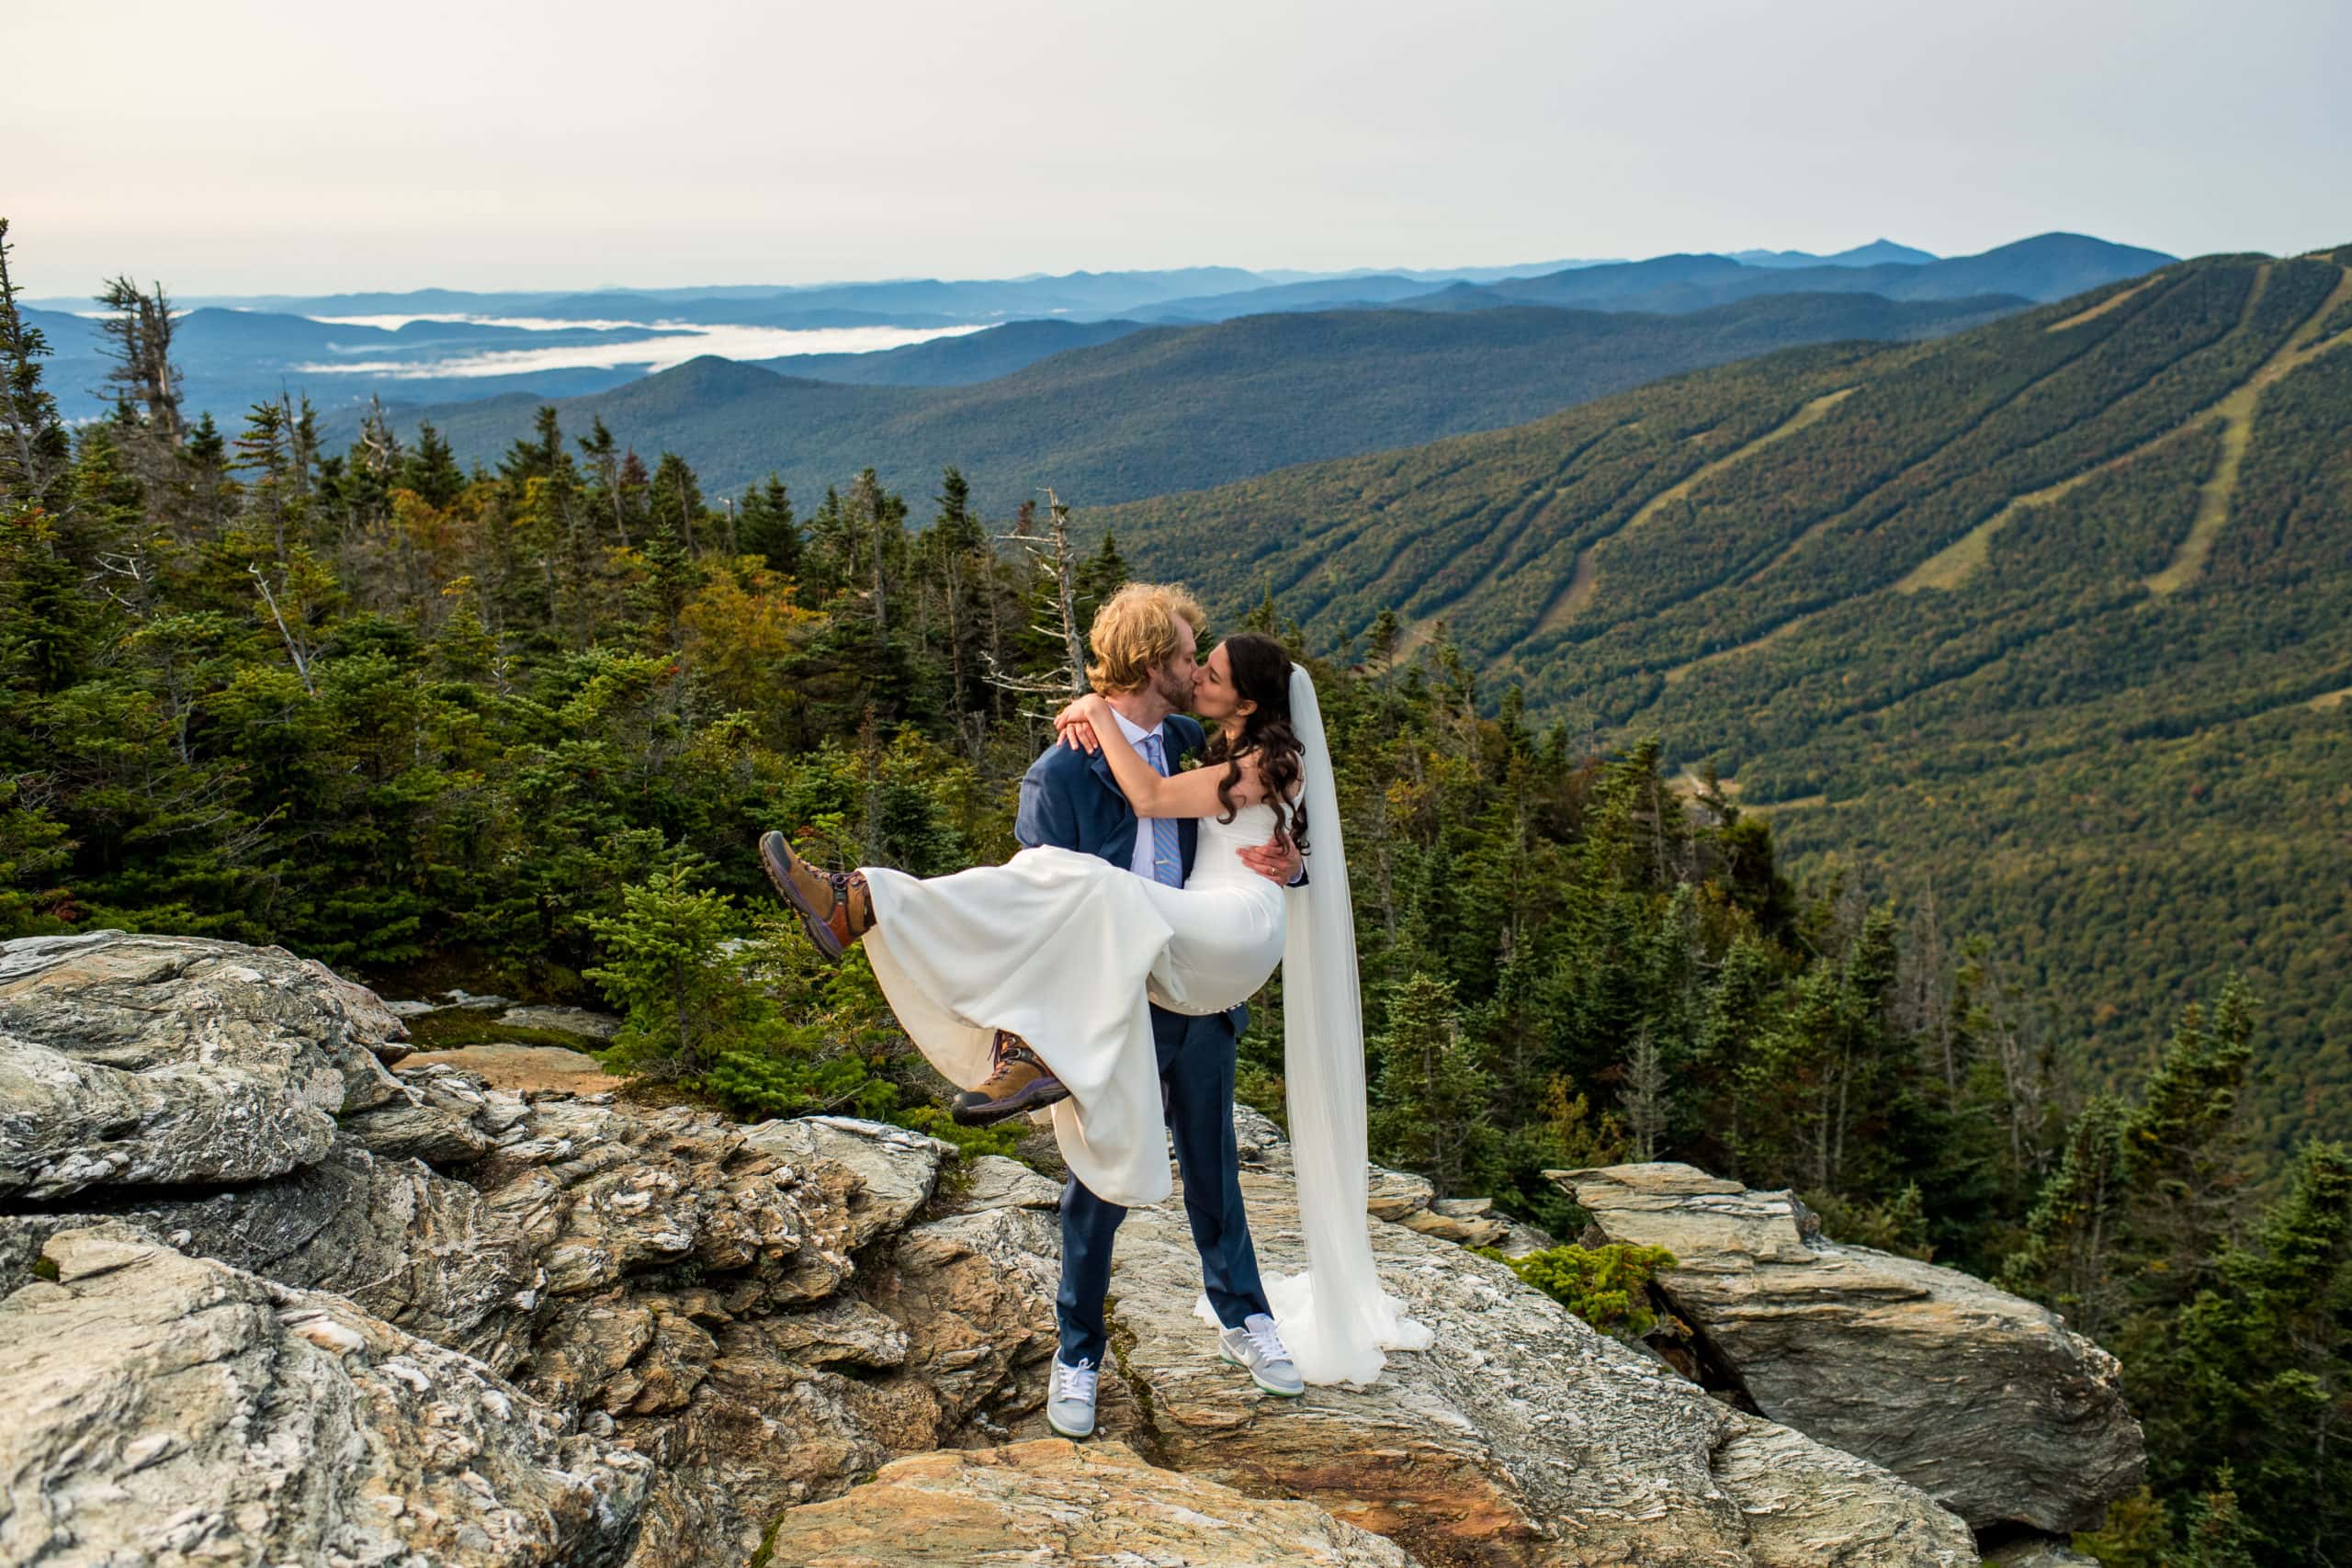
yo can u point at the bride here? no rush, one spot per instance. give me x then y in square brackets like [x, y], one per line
[1067, 951]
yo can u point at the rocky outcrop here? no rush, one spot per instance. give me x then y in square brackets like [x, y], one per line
[1054, 1502]
[647, 1334]
[425, 1253]
[168, 1410]
[129, 1059]
[1986, 1402]
[1522, 1437]
[675, 1286]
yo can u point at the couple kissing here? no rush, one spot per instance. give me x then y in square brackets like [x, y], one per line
[1101, 973]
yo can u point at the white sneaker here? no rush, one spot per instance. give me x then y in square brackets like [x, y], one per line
[1256, 1345]
[1069, 1401]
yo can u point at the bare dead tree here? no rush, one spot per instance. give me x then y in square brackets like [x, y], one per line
[1058, 572]
[380, 445]
[1924, 991]
[2008, 1034]
[141, 326]
[125, 576]
[294, 648]
[1646, 1098]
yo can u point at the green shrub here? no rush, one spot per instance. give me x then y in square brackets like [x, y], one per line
[702, 1005]
[1606, 1286]
[973, 1142]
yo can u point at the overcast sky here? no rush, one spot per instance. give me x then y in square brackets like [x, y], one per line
[238, 146]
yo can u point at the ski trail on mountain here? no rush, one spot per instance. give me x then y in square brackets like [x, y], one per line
[2236, 413]
[1584, 576]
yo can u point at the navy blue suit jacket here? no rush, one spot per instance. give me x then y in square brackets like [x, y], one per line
[1070, 800]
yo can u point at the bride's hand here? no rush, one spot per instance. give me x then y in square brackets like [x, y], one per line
[1074, 726]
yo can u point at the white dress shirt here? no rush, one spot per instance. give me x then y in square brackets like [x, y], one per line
[1140, 860]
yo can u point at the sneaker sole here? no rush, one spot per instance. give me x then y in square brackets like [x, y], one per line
[774, 861]
[1262, 1384]
[1061, 1431]
[1031, 1099]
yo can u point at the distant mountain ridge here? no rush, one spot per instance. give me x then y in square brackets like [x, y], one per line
[1875, 254]
[231, 359]
[2048, 266]
[1184, 291]
[1160, 409]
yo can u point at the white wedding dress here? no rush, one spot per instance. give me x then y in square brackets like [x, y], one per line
[1062, 949]
[1067, 950]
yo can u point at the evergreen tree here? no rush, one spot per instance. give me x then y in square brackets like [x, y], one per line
[676, 501]
[431, 470]
[830, 555]
[2255, 1379]
[1433, 1093]
[602, 452]
[34, 450]
[955, 529]
[876, 520]
[958, 572]
[1101, 575]
[537, 456]
[766, 527]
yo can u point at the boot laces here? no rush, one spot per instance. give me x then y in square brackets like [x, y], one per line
[1269, 1341]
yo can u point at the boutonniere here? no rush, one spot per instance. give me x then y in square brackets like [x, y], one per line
[1188, 761]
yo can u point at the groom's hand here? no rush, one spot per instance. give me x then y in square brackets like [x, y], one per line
[1275, 860]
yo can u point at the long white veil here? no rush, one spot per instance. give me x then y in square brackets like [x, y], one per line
[1335, 1318]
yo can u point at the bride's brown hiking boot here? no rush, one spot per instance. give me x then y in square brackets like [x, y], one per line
[1020, 1083]
[835, 905]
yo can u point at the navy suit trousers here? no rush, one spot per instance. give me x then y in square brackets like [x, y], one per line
[1196, 1087]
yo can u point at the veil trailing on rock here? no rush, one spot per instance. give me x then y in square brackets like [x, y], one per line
[1335, 1318]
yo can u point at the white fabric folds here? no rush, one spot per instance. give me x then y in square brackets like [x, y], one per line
[1335, 1318]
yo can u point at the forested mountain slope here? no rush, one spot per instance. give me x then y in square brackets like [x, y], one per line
[958, 361]
[2051, 619]
[1174, 408]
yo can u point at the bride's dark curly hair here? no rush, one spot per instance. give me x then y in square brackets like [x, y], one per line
[1262, 674]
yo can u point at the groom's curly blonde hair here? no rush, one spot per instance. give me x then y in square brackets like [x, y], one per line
[1134, 634]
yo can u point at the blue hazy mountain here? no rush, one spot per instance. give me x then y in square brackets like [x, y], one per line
[908, 302]
[2046, 268]
[1436, 274]
[1316, 294]
[1878, 252]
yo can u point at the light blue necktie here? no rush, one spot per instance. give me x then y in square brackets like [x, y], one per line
[1167, 860]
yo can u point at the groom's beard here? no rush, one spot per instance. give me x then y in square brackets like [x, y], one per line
[1176, 694]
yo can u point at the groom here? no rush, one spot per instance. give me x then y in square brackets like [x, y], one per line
[1143, 642]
